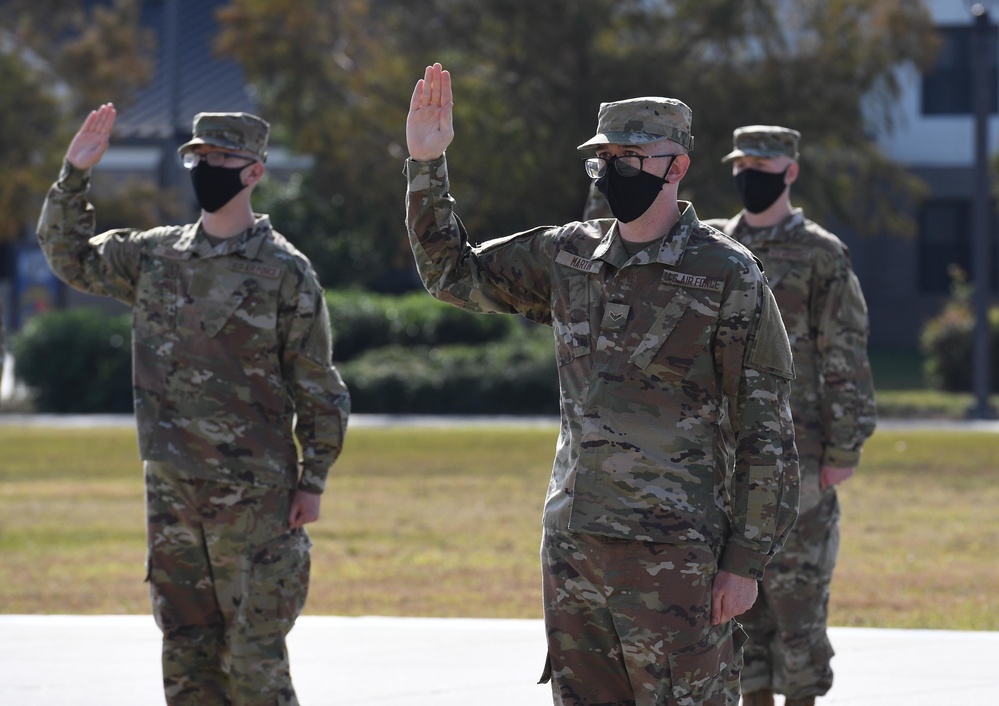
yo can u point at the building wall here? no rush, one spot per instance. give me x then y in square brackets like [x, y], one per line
[901, 278]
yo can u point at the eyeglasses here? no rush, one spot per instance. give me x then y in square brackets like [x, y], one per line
[213, 159]
[627, 166]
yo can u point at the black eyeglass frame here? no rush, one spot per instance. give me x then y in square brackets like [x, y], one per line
[191, 159]
[596, 167]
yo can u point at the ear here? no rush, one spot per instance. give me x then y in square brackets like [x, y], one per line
[678, 169]
[793, 170]
[254, 173]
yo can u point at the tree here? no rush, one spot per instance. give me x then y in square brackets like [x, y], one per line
[332, 79]
[57, 61]
[529, 78]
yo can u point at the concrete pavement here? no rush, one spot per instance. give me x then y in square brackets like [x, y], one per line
[114, 660]
[425, 420]
[53, 660]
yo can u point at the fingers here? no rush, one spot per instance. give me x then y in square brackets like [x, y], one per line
[428, 85]
[433, 90]
[717, 599]
[435, 87]
[446, 97]
[104, 119]
[100, 121]
[416, 102]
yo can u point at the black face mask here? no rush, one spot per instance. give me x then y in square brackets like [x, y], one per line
[214, 187]
[759, 190]
[630, 197]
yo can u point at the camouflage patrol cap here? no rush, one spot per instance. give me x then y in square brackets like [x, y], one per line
[231, 131]
[766, 141]
[637, 121]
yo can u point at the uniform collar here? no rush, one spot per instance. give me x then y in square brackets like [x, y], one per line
[671, 247]
[749, 236]
[193, 241]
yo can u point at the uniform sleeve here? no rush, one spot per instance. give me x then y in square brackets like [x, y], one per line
[106, 264]
[322, 401]
[503, 276]
[756, 369]
[849, 410]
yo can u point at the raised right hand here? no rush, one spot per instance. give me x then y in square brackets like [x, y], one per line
[429, 128]
[91, 140]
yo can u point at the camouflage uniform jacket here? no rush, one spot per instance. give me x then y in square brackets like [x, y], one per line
[231, 345]
[825, 315]
[673, 368]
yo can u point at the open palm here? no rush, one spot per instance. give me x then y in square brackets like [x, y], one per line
[91, 140]
[429, 128]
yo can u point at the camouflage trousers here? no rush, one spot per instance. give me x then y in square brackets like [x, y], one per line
[227, 579]
[629, 624]
[789, 651]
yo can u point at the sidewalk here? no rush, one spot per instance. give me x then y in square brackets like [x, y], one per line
[428, 420]
[114, 661]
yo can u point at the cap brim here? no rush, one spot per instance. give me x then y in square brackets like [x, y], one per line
[197, 142]
[620, 138]
[760, 154]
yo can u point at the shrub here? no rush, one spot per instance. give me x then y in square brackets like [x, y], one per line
[363, 321]
[514, 376]
[77, 361]
[948, 340]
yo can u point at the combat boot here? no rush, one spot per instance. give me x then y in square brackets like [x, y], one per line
[807, 701]
[764, 697]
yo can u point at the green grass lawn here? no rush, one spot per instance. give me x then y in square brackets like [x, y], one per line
[446, 522]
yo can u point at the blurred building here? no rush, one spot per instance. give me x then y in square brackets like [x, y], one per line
[906, 281]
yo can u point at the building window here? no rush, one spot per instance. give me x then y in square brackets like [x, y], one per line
[945, 239]
[947, 87]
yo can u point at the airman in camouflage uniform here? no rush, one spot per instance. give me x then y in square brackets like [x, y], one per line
[832, 399]
[675, 474]
[231, 360]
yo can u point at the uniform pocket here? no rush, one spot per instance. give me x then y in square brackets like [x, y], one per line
[157, 299]
[243, 311]
[278, 583]
[572, 319]
[704, 672]
[677, 336]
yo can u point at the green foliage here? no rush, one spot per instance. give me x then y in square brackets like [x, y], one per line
[58, 60]
[335, 79]
[27, 120]
[947, 340]
[514, 376]
[337, 242]
[77, 361]
[363, 321]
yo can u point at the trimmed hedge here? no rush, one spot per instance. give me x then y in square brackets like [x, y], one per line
[408, 354]
[514, 376]
[363, 321]
[77, 361]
